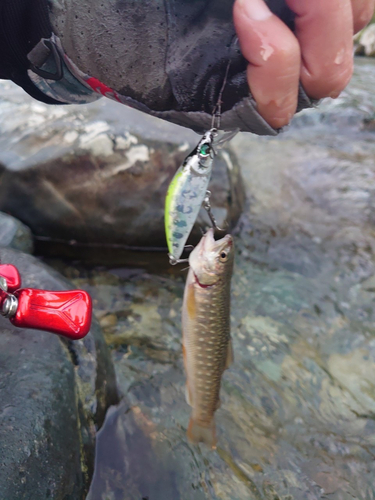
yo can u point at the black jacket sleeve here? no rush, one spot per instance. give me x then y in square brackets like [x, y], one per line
[23, 23]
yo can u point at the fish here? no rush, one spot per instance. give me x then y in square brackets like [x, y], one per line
[206, 340]
[186, 193]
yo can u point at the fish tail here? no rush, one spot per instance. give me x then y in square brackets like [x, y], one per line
[198, 433]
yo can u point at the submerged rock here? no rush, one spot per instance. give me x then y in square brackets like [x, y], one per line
[93, 179]
[297, 404]
[53, 396]
[14, 234]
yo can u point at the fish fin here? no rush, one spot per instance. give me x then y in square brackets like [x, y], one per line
[190, 302]
[188, 395]
[198, 433]
[229, 359]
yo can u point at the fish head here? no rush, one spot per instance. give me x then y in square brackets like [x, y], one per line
[211, 260]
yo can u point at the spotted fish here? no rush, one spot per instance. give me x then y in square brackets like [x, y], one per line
[186, 194]
[207, 346]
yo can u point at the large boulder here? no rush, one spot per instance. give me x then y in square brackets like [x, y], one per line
[91, 180]
[53, 396]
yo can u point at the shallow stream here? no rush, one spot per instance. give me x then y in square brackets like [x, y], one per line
[298, 405]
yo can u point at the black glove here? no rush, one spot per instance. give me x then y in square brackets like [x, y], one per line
[201, 41]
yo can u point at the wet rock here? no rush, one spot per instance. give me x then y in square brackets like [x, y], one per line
[40, 441]
[14, 234]
[53, 396]
[298, 403]
[93, 179]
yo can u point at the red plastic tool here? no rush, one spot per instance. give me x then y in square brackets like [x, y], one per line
[12, 277]
[66, 313]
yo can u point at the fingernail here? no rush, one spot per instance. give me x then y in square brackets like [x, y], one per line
[256, 10]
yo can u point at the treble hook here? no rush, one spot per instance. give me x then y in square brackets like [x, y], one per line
[173, 261]
[207, 207]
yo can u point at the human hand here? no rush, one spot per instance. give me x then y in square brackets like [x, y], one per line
[319, 53]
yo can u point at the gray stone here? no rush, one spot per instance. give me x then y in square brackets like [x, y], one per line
[352, 109]
[53, 397]
[14, 234]
[93, 179]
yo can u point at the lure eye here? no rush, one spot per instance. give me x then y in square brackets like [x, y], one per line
[204, 150]
[223, 257]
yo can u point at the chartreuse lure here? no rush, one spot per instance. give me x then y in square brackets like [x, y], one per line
[186, 194]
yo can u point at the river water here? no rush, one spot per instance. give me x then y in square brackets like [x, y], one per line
[298, 405]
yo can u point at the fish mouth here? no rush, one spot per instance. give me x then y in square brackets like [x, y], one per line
[209, 242]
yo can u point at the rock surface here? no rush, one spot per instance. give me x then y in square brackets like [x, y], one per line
[93, 179]
[298, 404]
[53, 396]
[14, 234]
[354, 108]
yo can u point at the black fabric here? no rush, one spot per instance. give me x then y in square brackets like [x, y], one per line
[22, 24]
[200, 44]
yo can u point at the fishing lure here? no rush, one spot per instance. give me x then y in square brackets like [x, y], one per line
[186, 193]
[188, 190]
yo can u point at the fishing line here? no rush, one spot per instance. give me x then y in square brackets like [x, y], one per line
[216, 113]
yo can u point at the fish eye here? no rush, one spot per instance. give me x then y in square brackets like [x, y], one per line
[223, 256]
[204, 150]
